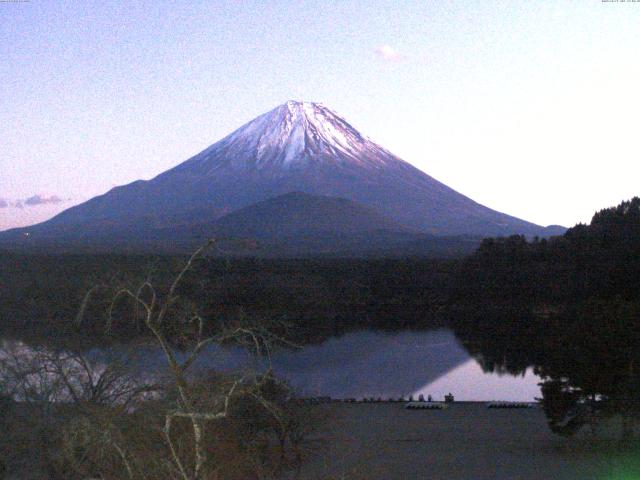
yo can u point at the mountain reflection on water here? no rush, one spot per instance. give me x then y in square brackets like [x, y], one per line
[381, 364]
[361, 364]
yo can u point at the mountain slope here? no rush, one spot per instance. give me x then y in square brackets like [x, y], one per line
[299, 214]
[297, 146]
[299, 224]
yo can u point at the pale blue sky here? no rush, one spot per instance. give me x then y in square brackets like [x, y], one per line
[529, 107]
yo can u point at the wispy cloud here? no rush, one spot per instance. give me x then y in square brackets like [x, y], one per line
[40, 200]
[388, 53]
[32, 201]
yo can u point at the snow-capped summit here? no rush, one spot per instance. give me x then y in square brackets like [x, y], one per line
[292, 135]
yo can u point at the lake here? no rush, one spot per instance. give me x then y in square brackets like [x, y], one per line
[377, 364]
[361, 364]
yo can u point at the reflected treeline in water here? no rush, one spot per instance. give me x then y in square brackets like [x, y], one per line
[569, 307]
[489, 333]
[470, 382]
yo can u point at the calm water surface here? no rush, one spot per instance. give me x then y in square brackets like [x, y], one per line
[361, 364]
[382, 364]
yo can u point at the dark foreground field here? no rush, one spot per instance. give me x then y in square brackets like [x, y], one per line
[467, 441]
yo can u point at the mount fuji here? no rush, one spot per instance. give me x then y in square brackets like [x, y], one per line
[297, 147]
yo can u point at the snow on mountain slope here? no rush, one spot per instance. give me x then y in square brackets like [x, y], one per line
[293, 135]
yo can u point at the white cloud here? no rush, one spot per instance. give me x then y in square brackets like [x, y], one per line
[388, 53]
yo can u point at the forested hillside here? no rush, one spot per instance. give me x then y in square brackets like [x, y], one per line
[569, 306]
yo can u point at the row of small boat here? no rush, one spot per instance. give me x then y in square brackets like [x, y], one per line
[443, 405]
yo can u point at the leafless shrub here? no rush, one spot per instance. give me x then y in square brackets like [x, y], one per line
[222, 426]
[50, 393]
